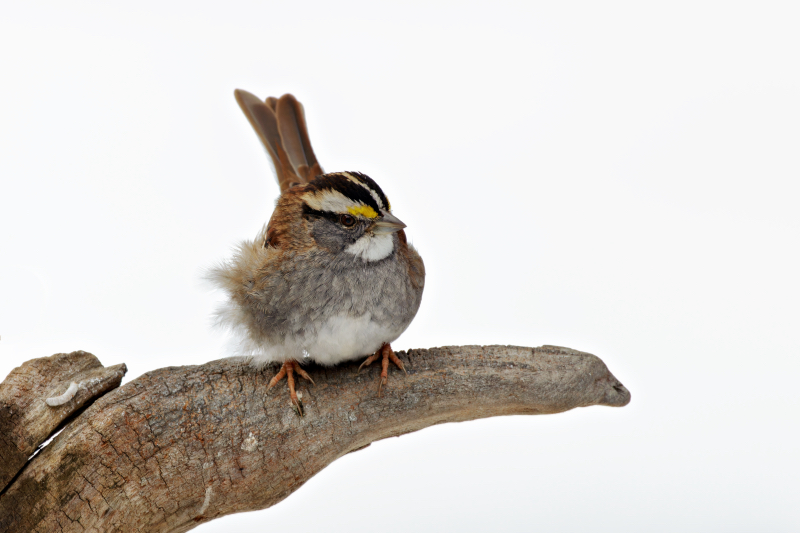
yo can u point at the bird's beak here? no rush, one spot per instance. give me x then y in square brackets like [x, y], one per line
[388, 223]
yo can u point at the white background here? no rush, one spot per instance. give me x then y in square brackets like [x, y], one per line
[619, 178]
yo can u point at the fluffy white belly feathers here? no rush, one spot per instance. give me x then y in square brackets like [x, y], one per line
[339, 338]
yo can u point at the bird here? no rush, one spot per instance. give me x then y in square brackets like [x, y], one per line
[331, 277]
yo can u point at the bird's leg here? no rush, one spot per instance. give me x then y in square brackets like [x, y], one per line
[371, 359]
[388, 355]
[288, 369]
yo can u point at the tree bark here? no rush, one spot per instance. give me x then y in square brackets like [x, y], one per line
[26, 420]
[183, 445]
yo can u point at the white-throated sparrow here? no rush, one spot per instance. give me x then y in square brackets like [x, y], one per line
[331, 277]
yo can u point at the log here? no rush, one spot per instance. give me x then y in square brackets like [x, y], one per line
[180, 446]
[26, 421]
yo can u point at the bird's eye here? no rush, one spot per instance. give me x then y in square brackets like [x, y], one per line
[347, 221]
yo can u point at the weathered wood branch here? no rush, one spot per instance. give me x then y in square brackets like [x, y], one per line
[26, 420]
[183, 445]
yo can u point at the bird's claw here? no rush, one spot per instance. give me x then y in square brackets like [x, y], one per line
[387, 354]
[288, 369]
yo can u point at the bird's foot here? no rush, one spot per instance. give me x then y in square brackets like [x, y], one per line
[288, 369]
[387, 353]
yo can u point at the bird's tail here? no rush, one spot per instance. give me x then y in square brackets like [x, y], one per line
[281, 125]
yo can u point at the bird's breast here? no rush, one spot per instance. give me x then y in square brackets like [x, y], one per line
[343, 338]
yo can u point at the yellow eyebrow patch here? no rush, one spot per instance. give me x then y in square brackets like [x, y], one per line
[363, 210]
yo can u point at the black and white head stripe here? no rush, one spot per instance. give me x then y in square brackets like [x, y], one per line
[346, 192]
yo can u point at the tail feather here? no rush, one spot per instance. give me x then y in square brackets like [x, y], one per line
[280, 124]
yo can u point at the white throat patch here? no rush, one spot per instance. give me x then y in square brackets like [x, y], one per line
[372, 247]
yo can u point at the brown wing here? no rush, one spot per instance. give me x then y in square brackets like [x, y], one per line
[281, 125]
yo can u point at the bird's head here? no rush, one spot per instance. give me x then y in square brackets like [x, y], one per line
[348, 211]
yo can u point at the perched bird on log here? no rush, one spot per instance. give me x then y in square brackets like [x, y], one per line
[331, 277]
